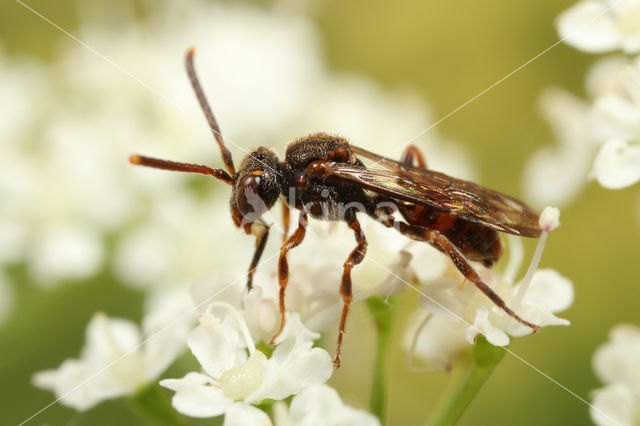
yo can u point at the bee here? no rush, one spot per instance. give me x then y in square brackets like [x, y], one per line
[323, 176]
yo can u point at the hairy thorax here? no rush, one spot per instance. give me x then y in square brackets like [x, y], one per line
[326, 199]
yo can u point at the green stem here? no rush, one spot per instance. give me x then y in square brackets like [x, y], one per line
[152, 404]
[466, 383]
[383, 313]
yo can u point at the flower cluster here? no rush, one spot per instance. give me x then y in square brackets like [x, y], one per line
[456, 313]
[66, 184]
[240, 377]
[597, 137]
[117, 359]
[237, 377]
[616, 365]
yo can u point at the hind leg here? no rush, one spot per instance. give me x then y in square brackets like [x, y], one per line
[440, 241]
[412, 153]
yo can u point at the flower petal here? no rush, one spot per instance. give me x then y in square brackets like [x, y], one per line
[67, 382]
[166, 327]
[604, 76]
[550, 289]
[617, 360]
[108, 339]
[614, 116]
[296, 331]
[294, 365]
[261, 314]
[614, 405]
[196, 397]
[321, 404]
[66, 252]
[578, 28]
[215, 345]
[482, 325]
[439, 343]
[240, 414]
[218, 287]
[628, 16]
[443, 296]
[617, 165]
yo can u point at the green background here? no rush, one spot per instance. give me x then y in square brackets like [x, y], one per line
[447, 52]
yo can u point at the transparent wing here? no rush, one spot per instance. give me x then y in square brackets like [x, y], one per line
[470, 201]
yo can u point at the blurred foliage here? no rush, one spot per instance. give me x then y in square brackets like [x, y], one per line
[448, 52]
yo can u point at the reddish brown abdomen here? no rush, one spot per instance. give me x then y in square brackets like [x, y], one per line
[475, 241]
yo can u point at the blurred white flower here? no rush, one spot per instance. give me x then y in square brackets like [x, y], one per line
[598, 26]
[66, 252]
[604, 76]
[616, 365]
[600, 135]
[556, 174]
[313, 290]
[617, 165]
[239, 375]
[457, 312]
[608, 122]
[117, 359]
[320, 405]
[616, 121]
[549, 292]
[65, 180]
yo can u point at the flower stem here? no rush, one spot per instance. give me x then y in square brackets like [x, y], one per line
[464, 386]
[152, 404]
[383, 313]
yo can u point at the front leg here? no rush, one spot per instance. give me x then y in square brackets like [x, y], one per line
[261, 232]
[283, 266]
[356, 256]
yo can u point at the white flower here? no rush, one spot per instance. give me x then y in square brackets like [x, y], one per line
[116, 359]
[320, 405]
[435, 339]
[599, 26]
[556, 174]
[66, 251]
[609, 125]
[615, 120]
[70, 155]
[313, 289]
[617, 165]
[459, 311]
[616, 365]
[239, 375]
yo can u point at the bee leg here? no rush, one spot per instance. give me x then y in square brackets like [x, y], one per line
[411, 153]
[438, 240]
[355, 257]
[285, 220]
[261, 231]
[283, 266]
[472, 275]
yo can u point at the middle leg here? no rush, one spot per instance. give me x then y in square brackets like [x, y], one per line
[355, 257]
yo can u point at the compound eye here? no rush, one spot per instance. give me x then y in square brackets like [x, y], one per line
[248, 199]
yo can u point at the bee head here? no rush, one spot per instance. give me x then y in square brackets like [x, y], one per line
[255, 187]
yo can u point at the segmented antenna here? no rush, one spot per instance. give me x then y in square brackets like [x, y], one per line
[206, 109]
[141, 160]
